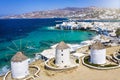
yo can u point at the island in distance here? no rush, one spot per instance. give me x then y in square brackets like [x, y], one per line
[72, 12]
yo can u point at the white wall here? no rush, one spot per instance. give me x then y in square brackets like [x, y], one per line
[19, 69]
[65, 58]
[98, 56]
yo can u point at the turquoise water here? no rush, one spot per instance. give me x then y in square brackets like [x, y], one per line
[37, 39]
[42, 39]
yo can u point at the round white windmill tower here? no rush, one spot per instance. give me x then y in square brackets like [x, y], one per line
[19, 65]
[62, 56]
[97, 53]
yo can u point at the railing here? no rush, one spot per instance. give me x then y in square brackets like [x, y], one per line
[4, 78]
[58, 69]
[99, 68]
[32, 66]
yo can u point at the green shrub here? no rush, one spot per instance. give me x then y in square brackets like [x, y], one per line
[87, 61]
[118, 32]
[77, 60]
[110, 65]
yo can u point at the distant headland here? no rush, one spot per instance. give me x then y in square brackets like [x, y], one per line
[93, 13]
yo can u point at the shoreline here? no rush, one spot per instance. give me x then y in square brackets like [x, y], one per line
[94, 36]
[80, 20]
[79, 72]
[33, 59]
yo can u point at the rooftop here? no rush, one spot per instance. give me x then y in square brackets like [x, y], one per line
[97, 45]
[62, 45]
[18, 57]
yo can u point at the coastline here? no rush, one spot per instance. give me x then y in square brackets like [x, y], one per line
[109, 51]
[65, 36]
[67, 19]
[34, 18]
[79, 72]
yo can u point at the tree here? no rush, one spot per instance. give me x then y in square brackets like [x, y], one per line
[118, 32]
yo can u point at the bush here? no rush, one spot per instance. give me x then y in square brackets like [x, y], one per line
[77, 60]
[110, 65]
[118, 32]
[87, 61]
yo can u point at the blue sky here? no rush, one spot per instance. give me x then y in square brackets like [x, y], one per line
[9, 7]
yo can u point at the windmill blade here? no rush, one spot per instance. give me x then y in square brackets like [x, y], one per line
[12, 49]
[26, 45]
[15, 45]
[59, 36]
[20, 45]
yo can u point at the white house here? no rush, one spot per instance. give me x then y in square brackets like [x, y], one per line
[19, 66]
[62, 55]
[97, 53]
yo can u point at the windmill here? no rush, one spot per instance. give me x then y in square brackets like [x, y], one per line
[16, 47]
[22, 47]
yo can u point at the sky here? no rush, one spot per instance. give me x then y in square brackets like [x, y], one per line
[10, 7]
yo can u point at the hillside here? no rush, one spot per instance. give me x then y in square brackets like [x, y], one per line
[73, 12]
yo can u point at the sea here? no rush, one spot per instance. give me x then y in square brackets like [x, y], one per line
[32, 36]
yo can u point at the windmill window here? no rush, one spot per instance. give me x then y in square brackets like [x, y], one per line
[61, 50]
[62, 61]
[61, 54]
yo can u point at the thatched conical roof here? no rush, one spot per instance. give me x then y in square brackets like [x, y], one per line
[97, 45]
[62, 45]
[18, 57]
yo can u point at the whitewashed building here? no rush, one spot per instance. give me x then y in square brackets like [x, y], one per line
[19, 66]
[97, 53]
[62, 55]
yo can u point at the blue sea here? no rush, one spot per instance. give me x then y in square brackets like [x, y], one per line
[34, 35]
